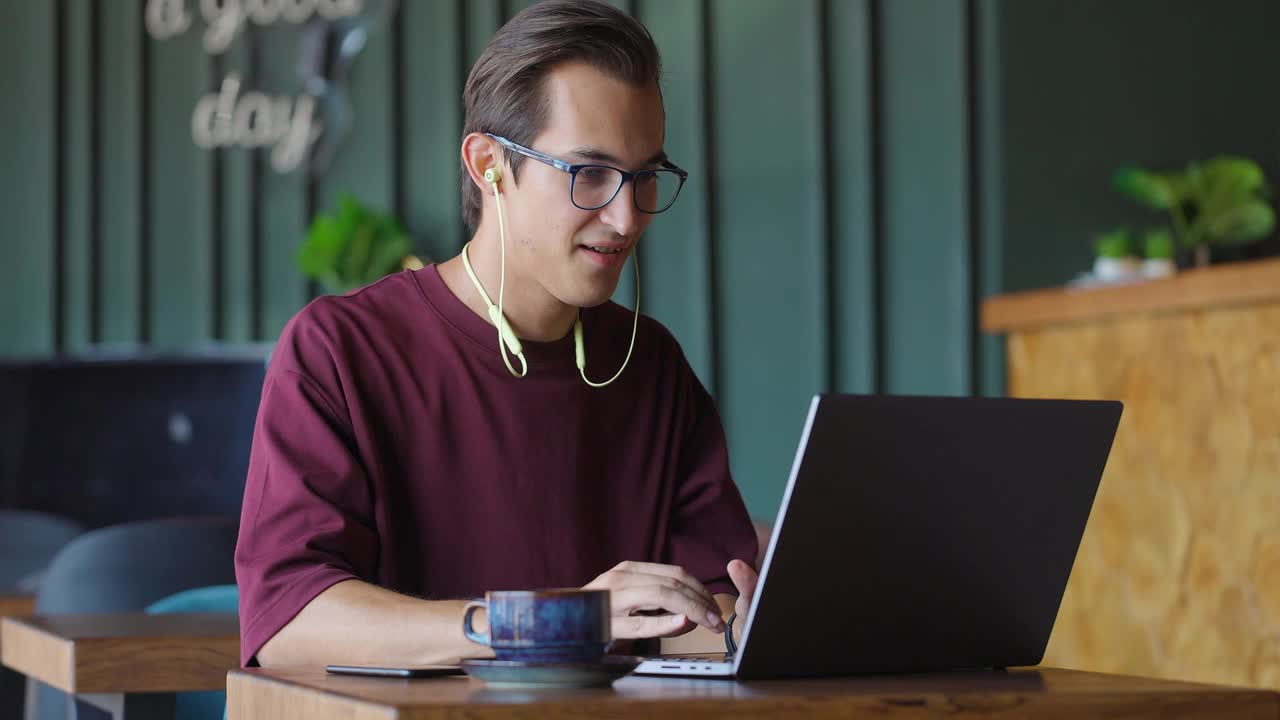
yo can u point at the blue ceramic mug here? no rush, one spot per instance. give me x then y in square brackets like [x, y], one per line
[567, 626]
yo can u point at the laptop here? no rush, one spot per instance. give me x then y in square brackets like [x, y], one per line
[920, 534]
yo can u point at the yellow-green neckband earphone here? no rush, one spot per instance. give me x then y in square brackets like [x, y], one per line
[507, 339]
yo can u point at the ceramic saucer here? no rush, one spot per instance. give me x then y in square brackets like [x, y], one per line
[515, 674]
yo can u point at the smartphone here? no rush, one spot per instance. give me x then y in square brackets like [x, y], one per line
[394, 672]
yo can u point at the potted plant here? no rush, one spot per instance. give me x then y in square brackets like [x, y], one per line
[353, 247]
[1158, 253]
[1221, 202]
[1115, 259]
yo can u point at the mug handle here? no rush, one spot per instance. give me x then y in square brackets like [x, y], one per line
[467, 629]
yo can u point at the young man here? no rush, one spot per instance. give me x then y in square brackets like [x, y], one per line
[403, 463]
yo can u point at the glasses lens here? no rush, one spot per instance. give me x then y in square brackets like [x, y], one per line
[595, 185]
[656, 190]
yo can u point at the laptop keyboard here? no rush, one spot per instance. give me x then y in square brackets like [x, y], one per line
[721, 658]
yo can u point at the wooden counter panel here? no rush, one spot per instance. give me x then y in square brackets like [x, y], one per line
[1178, 575]
[1218, 286]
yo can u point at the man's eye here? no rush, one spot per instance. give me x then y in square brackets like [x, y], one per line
[594, 175]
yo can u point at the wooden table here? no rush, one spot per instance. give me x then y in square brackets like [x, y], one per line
[128, 664]
[1029, 693]
[12, 685]
[17, 604]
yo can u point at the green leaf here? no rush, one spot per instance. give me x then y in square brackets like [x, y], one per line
[1157, 244]
[1246, 222]
[1117, 243]
[357, 257]
[1151, 189]
[387, 257]
[1235, 176]
[322, 247]
[352, 246]
[1227, 184]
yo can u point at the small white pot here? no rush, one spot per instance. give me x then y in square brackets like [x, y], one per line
[1105, 268]
[1163, 267]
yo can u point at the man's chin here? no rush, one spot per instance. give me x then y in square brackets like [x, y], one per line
[588, 293]
[591, 300]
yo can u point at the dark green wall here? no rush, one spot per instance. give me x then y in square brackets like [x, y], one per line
[1090, 85]
[863, 171]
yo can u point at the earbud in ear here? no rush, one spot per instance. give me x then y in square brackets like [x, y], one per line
[492, 175]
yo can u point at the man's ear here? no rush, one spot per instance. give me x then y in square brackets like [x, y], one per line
[481, 153]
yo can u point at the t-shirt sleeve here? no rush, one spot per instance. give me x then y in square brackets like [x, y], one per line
[710, 525]
[307, 519]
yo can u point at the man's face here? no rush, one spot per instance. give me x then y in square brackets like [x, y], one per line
[595, 119]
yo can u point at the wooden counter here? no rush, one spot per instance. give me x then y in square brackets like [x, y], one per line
[1224, 286]
[1178, 575]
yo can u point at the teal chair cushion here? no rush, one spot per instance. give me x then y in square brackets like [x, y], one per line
[210, 705]
[216, 598]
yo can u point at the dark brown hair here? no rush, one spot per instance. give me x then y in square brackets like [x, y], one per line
[504, 93]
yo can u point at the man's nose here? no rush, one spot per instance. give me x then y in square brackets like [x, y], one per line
[621, 213]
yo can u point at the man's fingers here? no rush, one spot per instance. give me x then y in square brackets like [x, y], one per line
[671, 571]
[745, 579]
[676, 601]
[617, 580]
[640, 626]
[656, 597]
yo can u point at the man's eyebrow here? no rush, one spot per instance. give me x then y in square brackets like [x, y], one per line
[597, 155]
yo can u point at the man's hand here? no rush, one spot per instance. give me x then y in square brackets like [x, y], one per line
[651, 600]
[744, 578]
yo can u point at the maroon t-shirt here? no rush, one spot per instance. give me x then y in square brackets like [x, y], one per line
[392, 445]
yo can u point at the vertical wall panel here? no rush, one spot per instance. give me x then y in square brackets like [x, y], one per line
[120, 183]
[432, 126]
[236, 193]
[928, 323]
[676, 254]
[180, 198]
[27, 197]
[852, 195]
[512, 7]
[483, 17]
[281, 214]
[77, 123]
[770, 253]
[364, 165]
[990, 206]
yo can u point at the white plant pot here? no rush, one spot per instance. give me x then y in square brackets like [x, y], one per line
[1158, 268]
[1105, 268]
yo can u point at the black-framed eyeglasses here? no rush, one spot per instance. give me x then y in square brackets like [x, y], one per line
[592, 186]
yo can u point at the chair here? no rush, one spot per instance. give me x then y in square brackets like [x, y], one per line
[30, 540]
[126, 568]
[211, 705]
